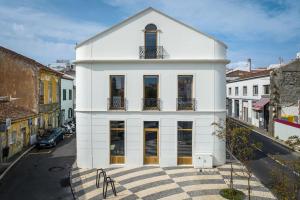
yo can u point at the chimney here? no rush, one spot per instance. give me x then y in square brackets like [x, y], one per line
[249, 64]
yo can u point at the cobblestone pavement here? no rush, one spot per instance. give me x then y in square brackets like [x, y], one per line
[150, 182]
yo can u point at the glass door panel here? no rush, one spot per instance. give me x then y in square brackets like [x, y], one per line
[184, 143]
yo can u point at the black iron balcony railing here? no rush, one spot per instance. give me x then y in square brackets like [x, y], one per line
[151, 104]
[186, 104]
[116, 103]
[151, 52]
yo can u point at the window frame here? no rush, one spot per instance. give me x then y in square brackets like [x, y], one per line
[245, 90]
[236, 91]
[257, 92]
[120, 158]
[64, 94]
[110, 92]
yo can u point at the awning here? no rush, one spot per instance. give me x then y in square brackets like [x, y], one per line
[260, 104]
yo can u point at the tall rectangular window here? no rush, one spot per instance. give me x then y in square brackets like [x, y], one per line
[255, 90]
[184, 142]
[229, 91]
[70, 94]
[244, 90]
[117, 135]
[41, 92]
[64, 94]
[185, 99]
[50, 91]
[236, 91]
[266, 89]
[57, 91]
[151, 101]
[117, 100]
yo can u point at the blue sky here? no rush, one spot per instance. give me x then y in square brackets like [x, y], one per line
[46, 30]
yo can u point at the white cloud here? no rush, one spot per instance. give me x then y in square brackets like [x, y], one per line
[42, 36]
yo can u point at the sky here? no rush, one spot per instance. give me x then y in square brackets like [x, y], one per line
[47, 30]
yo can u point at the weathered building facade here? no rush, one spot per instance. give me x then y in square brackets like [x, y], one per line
[285, 93]
[23, 83]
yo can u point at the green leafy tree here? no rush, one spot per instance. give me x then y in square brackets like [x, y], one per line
[244, 150]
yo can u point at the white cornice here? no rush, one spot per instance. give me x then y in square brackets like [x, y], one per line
[88, 61]
[153, 112]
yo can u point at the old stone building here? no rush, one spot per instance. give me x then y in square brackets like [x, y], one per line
[30, 94]
[285, 92]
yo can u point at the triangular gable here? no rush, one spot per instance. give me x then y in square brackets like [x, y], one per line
[139, 14]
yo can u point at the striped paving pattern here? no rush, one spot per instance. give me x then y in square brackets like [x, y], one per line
[151, 183]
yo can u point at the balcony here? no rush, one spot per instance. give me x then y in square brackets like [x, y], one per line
[186, 104]
[151, 104]
[116, 103]
[149, 52]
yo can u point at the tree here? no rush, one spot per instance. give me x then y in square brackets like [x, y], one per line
[244, 150]
[225, 131]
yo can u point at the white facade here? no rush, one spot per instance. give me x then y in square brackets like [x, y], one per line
[67, 99]
[116, 52]
[244, 110]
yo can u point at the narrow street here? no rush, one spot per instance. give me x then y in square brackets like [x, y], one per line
[263, 165]
[41, 174]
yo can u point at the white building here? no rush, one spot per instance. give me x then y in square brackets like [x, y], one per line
[148, 90]
[67, 99]
[248, 98]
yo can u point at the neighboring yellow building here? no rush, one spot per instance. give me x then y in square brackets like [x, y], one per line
[18, 135]
[49, 99]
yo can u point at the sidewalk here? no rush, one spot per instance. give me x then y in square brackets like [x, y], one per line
[7, 165]
[179, 182]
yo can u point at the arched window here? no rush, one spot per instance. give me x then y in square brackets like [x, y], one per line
[151, 41]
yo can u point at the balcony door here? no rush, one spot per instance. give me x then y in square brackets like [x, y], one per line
[117, 100]
[185, 99]
[150, 41]
[151, 141]
[151, 101]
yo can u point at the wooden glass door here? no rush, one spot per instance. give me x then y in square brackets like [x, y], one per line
[151, 146]
[184, 142]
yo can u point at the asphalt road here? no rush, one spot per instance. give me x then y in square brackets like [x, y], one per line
[263, 164]
[41, 174]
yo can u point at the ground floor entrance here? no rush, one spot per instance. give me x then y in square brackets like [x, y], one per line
[151, 140]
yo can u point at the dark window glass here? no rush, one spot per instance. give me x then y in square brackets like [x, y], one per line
[184, 147]
[236, 91]
[151, 143]
[41, 92]
[70, 94]
[245, 90]
[150, 41]
[117, 138]
[151, 124]
[116, 92]
[150, 92]
[255, 90]
[185, 86]
[185, 94]
[64, 94]
[266, 89]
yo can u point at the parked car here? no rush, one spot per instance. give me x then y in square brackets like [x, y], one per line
[51, 139]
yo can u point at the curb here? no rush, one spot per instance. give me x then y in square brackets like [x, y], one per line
[15, 161]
